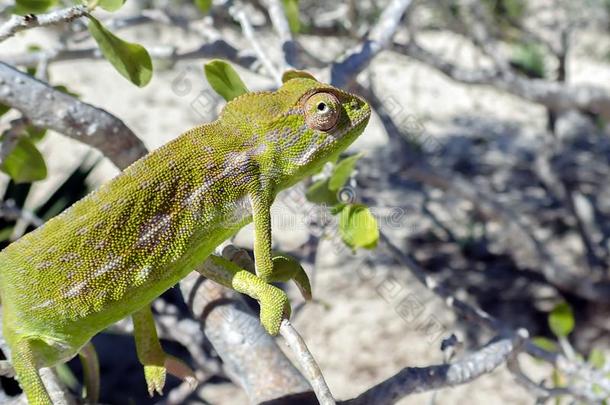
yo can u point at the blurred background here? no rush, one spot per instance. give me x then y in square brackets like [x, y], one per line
[485, 165]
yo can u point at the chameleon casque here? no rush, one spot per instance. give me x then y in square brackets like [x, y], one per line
[110, 254]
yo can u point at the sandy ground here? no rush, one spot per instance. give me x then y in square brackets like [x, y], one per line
[358, 337]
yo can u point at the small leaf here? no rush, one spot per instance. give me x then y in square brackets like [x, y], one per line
[224, 79]
[23, 7]
[111, 5]
[4, 109]
[25, 163]
[319, 193]
[36, 134]
[529, 59]
[597, 358]
[64, 89]
[561, 320]
[545, 343]
[358, 227]
[291, 9]
[342, 171]
[130, 60]
[204, 5]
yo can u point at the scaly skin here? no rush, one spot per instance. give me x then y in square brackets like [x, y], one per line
[110, 254]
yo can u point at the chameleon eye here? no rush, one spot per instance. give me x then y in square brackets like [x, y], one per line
[322, 111]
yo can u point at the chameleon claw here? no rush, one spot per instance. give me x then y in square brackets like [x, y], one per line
[155, 379]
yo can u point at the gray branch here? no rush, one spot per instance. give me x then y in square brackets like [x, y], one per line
[46, 107]
[252, 357]
[558, 97]
[358, 58]
[413, 380]
[20, 23]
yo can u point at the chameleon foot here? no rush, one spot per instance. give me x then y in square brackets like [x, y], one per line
[274, 307]
[155, 379]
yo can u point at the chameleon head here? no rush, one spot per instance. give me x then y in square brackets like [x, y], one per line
[316, 123]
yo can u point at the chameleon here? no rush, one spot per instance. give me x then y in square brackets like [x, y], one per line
[109, 255]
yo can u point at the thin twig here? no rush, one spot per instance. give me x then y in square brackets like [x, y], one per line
[240, 16]
[20, 23]
[381, 34]
[308, 363]
[412, 380]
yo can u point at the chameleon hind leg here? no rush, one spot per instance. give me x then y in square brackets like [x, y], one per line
[156, 362]
[273, 302]
[91, 372]
[24, 358]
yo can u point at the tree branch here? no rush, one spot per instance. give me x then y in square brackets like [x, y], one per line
[20, 23]
[46, 107]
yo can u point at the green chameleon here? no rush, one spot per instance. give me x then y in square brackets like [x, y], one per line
[110, 254]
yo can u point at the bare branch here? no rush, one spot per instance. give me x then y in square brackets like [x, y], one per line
[46, 107]
[281, 26]
[20, 23]
[357, 59]
[555, 96]
[412, 380]
[252, 357]
[240, 16]
[308, 363]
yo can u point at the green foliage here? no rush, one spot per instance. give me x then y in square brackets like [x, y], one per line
[291, 9]
[204, 5]
[342, 172]
[529, 59]
[320, 193]
[597, 358]
[507, 10]
[111, 5]
[224, 79]
[23, 7]
[545, 343]
[130, 60]
[358, 227]
[561, 320]
[25, 163]
[4, 109]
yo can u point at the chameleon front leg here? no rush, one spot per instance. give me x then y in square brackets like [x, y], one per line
[273, 301]
[273, 268]
[150, 353]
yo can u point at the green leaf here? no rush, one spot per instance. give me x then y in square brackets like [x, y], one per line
[64, 89]
[529, 59]
[6, 233]
[319, 193]
[358, 227]
[25, 163]
[342, 172]
[111, 5]
[4, 109]
[545, 343]
[291, 9]
[204, 5]
[561, 320]
[36, 134]
[597, 358]
[130, 60]
[23, 7]
[224, 79]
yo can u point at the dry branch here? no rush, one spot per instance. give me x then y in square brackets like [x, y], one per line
[20, 23]
[47, 107]
[413, 380]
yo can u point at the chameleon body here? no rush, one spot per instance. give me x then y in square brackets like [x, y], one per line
[110, 254]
